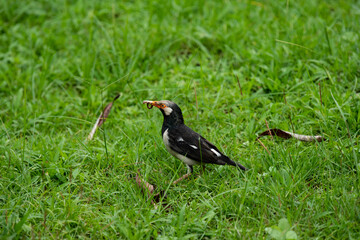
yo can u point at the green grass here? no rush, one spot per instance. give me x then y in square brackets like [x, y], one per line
[61, 62]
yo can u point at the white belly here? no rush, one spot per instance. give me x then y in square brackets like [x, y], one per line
[185, 159]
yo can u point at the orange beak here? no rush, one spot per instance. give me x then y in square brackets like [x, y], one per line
[150, 104]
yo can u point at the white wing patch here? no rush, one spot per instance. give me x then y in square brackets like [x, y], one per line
[180, 139]
[183, 158]
[216, 152]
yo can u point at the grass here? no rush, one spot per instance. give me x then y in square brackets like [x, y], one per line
[63, 61]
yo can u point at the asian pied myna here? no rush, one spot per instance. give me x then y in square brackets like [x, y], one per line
[184, 143]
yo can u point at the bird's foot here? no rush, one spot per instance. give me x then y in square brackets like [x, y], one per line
[182, 178]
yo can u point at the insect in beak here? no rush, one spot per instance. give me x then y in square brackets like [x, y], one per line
[149, 105]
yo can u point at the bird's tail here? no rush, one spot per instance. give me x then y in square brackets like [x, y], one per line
[241, 166]
[227, 160]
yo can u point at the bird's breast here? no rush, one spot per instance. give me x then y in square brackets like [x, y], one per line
[167, 142]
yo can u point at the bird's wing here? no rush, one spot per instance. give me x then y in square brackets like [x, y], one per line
[191, 144]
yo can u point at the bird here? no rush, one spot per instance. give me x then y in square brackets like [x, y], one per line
[184, 143]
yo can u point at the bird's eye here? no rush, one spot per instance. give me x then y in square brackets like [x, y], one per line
[162, 106]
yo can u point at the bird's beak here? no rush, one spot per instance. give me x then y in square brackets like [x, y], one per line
[150, 104]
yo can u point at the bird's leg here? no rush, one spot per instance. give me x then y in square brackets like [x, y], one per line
[190, 171]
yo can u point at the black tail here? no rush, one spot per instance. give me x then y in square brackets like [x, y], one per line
[241, 166]
[227, 160]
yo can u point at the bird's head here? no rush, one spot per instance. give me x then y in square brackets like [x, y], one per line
[170, 110]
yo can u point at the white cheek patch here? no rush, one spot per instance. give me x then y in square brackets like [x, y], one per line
[167, 111]
[216, 152]
[193, 146]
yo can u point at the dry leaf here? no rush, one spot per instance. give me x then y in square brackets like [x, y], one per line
[287, 135]
[102, 118]
[149, 189]
[145, 186]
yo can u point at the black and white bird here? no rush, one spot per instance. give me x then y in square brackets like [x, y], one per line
[184, 143]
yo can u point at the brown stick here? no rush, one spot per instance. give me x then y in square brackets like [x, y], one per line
[32, 232]
[106, 226]
[279, 200]
[292, 125]
[181, 178]
[267, 125]
[45, 215]
[284, 98]
[264, 146]
[9, 160]
[239, 85]
[320, 93]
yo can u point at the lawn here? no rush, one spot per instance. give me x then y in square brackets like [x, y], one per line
[232, 66]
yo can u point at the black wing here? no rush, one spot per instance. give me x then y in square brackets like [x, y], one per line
[185, 141]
